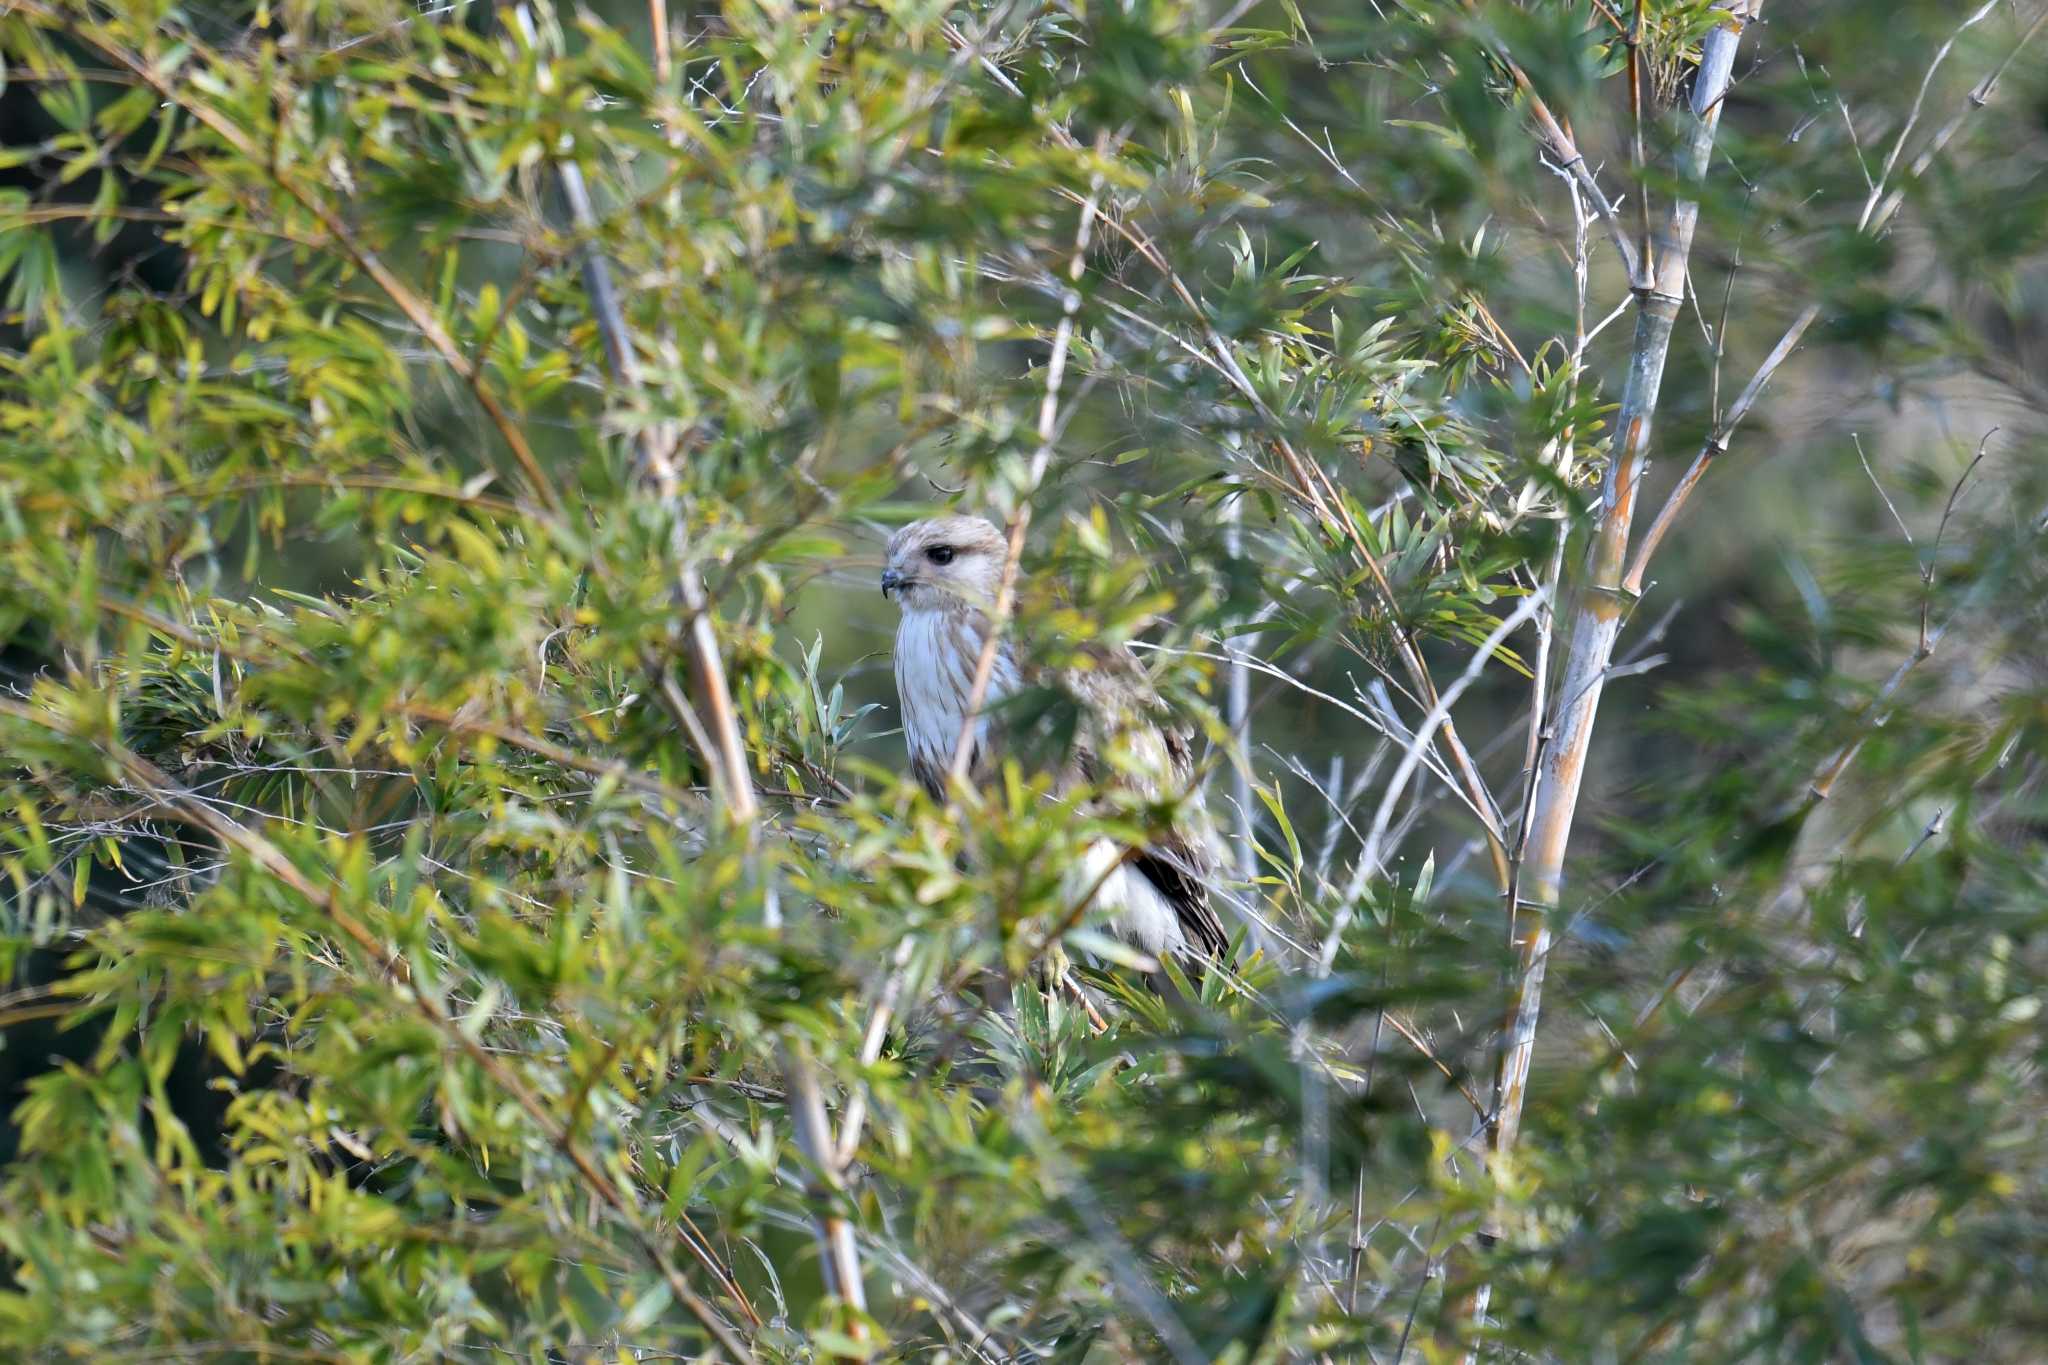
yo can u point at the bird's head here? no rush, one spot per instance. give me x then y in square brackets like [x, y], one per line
[940, 560]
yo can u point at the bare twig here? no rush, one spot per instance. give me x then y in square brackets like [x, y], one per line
[1369, 857]
[1876, 713]
[1715, 446]
[1979, 97]
[1912, 119]
[1571, 159]
[1856, 440]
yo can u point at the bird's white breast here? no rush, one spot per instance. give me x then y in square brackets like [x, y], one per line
[936, 652]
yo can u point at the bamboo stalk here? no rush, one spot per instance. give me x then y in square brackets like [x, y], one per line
[1237, 715]
[840, 1255]
[657, 21]
[1602, 599]
[1646, 251]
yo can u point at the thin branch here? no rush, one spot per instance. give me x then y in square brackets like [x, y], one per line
[1571, 159]
[1978, 98]
[1421, 1045]
[1231, 655]
[1369, 857]
[1876, 713]
[1919, 101]
[1874, 217]
[1856, 440]
[1715, 446]
[840, 1258]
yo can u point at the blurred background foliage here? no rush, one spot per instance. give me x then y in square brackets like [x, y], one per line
[386, 983]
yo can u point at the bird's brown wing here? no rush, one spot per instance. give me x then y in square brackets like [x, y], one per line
[1181, 866]
[1118, 703]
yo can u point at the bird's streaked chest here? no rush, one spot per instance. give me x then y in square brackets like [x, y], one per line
[936, 652]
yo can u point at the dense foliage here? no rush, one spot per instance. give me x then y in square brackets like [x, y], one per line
[433, 440]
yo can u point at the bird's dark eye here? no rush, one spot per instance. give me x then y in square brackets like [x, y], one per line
[940, 554]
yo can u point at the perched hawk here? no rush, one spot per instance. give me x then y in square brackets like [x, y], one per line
[944, 573]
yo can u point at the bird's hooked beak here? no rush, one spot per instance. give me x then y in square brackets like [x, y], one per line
[891, 582]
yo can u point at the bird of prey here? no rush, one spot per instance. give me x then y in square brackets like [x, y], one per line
[943, 573]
